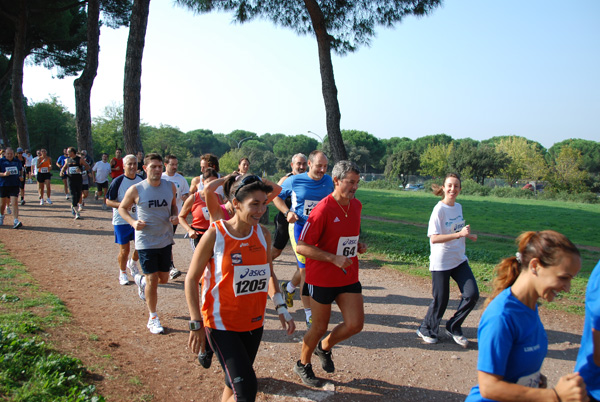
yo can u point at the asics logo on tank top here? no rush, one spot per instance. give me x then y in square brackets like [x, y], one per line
[253, 272]
[157, 203]
[244, 244]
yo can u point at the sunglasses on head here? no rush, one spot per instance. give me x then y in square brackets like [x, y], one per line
[245, 181]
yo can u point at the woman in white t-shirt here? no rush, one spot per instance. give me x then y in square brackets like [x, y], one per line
[447, 232]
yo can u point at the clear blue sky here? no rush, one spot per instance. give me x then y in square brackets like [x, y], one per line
[471, 69]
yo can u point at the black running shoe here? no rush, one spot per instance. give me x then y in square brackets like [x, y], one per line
[325, 358]
[306, 374]
[205, 358]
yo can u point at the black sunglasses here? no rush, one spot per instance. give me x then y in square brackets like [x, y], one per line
[245, 181]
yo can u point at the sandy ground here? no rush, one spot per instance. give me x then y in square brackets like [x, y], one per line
[76, 260]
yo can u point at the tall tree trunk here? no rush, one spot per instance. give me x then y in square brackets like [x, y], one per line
[3, 85]
[18, 59]
[332, 107]
[3, 133]
[83, 84]
[133, 76]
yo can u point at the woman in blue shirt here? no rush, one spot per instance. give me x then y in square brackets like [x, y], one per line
[512, 339]
[588, 359]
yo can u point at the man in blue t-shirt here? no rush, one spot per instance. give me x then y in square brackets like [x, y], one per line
[11, 175]
[305, 190]
[588, 359]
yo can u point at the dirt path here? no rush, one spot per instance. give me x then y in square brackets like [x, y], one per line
[76, 260]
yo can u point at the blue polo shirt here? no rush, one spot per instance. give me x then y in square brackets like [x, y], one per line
[14, 167]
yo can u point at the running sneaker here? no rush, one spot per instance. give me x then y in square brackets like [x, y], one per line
[289, 297]
[174, 272]
[67, 197]
[154, 326]
[205, 358]
[460, 339]
[133, 268]
[17, 224]
[96, 195]
[77, 216]
[123, 280]
[325, 358]
[306, 374]
[8, 210]
[1, 219]
[73, 211]
[41, 201]
[427, 339]
[48, 201]
[140, 281]
[79, 207]
[22, 202]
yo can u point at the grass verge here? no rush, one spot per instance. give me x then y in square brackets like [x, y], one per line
[30, 370]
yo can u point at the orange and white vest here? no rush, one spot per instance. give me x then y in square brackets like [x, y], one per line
[235, 282]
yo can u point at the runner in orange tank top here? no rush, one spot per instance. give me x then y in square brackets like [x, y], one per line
[44, 167]
[237, 257]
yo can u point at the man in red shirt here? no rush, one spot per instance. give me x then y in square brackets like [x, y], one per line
[330, 243]
[116, 164]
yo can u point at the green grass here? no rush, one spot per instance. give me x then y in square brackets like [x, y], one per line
[405, 247]
[30, 370]
[502, 216]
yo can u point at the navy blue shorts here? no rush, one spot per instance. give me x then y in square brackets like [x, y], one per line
[9, 191]
[155, 259]
[124, 233]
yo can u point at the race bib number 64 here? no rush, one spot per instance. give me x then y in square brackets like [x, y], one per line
[250, 279]
[348, 246]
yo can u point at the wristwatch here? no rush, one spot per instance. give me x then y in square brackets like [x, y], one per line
[195, 325]
[288, 211]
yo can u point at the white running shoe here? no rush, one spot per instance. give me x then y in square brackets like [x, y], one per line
[154, 326]
[77, 216]
[67, 197]
[459, 339]
[8, 210]
[123, 280]
[140, 281]
[174, 273]
[79, 207]
[48, 201]
[133, 268]
[96, 195]
[427, 339]
[41, 201]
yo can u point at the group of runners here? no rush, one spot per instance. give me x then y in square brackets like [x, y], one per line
[231, 273]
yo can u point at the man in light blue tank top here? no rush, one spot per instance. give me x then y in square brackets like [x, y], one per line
[305, 190]
[156, 214]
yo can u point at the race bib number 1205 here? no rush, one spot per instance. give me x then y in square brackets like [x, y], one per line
[250, 279]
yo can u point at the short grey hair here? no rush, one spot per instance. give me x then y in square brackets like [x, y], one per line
[130, 156]
[342, 168]
[299, 155]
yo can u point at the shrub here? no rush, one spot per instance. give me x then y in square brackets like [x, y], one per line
[470, 187]
[511, 192]
[382, 184]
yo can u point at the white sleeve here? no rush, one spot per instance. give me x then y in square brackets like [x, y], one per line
[435, 222]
